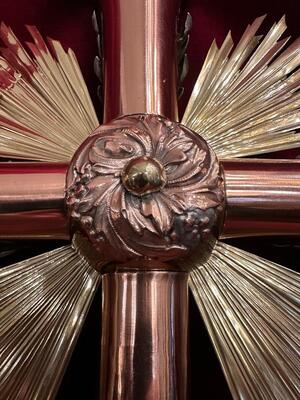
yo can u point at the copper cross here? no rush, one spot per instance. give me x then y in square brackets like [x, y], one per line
[145, 199]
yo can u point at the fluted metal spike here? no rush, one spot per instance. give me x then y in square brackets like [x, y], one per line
[251, 309]
[45, 108]
[246, 100]
[43, 301]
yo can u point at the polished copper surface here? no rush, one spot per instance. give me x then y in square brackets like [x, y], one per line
[183, 213]
[262, 196]
[32, 201]
[144, 335]
[140, 63]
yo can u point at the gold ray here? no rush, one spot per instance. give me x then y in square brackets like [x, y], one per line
[45, 108]
[43, 303]
[251, 309]
[246, 101]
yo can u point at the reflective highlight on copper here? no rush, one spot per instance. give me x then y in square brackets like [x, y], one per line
[263, 197]
[144, 342]
[32, 200]
[140, 57]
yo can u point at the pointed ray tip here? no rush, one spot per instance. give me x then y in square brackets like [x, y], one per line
[282, 21]
[214, 44]
[3, 25]
[51, 43]
[260, 19]
[263, 16]
[32, 29]
[188, 22]
[283, 18]
[257, 21]
[4, 29]
[229, 37]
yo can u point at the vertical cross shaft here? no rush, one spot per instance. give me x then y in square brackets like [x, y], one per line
[144, 338]
[144, 321]
[140, 67]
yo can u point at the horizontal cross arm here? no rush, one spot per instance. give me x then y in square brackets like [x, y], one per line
[262, 198]
[32, 201]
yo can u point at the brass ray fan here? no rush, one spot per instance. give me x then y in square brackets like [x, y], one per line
[146, 202]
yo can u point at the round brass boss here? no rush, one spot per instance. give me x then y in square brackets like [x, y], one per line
[143, 175]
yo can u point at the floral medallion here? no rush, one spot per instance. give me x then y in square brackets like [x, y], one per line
[145, 187]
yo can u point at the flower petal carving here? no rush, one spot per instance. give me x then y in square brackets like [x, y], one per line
[154, 207]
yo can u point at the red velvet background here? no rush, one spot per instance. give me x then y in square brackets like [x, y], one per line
[70, 22]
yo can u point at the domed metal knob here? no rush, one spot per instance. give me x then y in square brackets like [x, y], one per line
[143, 175]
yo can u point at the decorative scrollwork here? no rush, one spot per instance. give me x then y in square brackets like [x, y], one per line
[145, 187]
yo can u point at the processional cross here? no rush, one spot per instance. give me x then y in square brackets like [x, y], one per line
[145, 200]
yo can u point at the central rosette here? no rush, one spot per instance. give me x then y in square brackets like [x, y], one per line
[145, 187]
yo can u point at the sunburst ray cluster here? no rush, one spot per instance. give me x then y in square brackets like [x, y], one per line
[44, 301]
[251, 309]
[246, 100]
[45, 108]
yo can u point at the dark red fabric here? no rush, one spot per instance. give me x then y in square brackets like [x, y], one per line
[70, 22]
